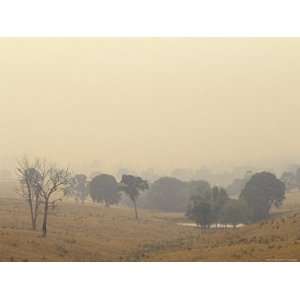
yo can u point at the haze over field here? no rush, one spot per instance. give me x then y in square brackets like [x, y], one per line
[149, 149]
[150, 103]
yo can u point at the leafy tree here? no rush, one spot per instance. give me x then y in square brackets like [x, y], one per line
[104, 188]
[198, 187]
[219, 199]
[201, 210]
[207, 204]
[172, 195]
[234, 212]
[261, 192]
[78, 188]
[167, 194]
[132, 186]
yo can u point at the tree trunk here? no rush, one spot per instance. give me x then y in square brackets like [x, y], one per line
[135, 209]
[45, 218]
[32, 215]
[36, 207]
[34, 221]
[30, 203]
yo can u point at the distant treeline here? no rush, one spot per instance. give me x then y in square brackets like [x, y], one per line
[203, 203]
[43, 184]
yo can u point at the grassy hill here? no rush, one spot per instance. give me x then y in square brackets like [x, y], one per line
[84, 233]
[95, 233]
[275, 239]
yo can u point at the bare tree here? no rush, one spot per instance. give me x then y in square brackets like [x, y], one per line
[54, 182]
[30, 179]
[50, 184]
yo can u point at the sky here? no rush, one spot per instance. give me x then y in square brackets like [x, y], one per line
[158, 103]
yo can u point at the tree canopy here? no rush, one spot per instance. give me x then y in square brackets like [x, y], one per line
[206, 207]
[78, 187]
[132, 186]
[104, 188]
[167, 194]
[261, 192]
[201, 211]
[173, 195]
[234, 212]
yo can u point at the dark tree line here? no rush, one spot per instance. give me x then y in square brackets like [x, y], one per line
[261, 192]
[170, 194]
[105, 189]
[42, 185]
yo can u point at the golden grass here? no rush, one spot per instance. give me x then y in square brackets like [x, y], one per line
[275, 239]
[272, 240]
[84, 233]
[95, 233]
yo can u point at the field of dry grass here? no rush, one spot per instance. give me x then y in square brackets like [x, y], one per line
[84, 232]
[276, 239]
[95, 233]
[273, 240]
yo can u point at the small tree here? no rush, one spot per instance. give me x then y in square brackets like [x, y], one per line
[77, 188]
[48, 181]
[132, 186]
[54, 182]
[30, 180]
[219, 199]
[206, 206]
[201, 210]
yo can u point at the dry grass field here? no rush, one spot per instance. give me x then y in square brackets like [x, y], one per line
[95, 233]
[275, 239]
[84, 232]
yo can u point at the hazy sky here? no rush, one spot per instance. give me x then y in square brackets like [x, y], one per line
[159, 103]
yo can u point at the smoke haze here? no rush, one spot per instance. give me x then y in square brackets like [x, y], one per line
[151, 103]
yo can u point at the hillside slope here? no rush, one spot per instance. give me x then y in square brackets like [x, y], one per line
[272, 240]
[95, 233]
[84, 233]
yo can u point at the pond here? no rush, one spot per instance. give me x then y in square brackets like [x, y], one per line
[218, 226]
